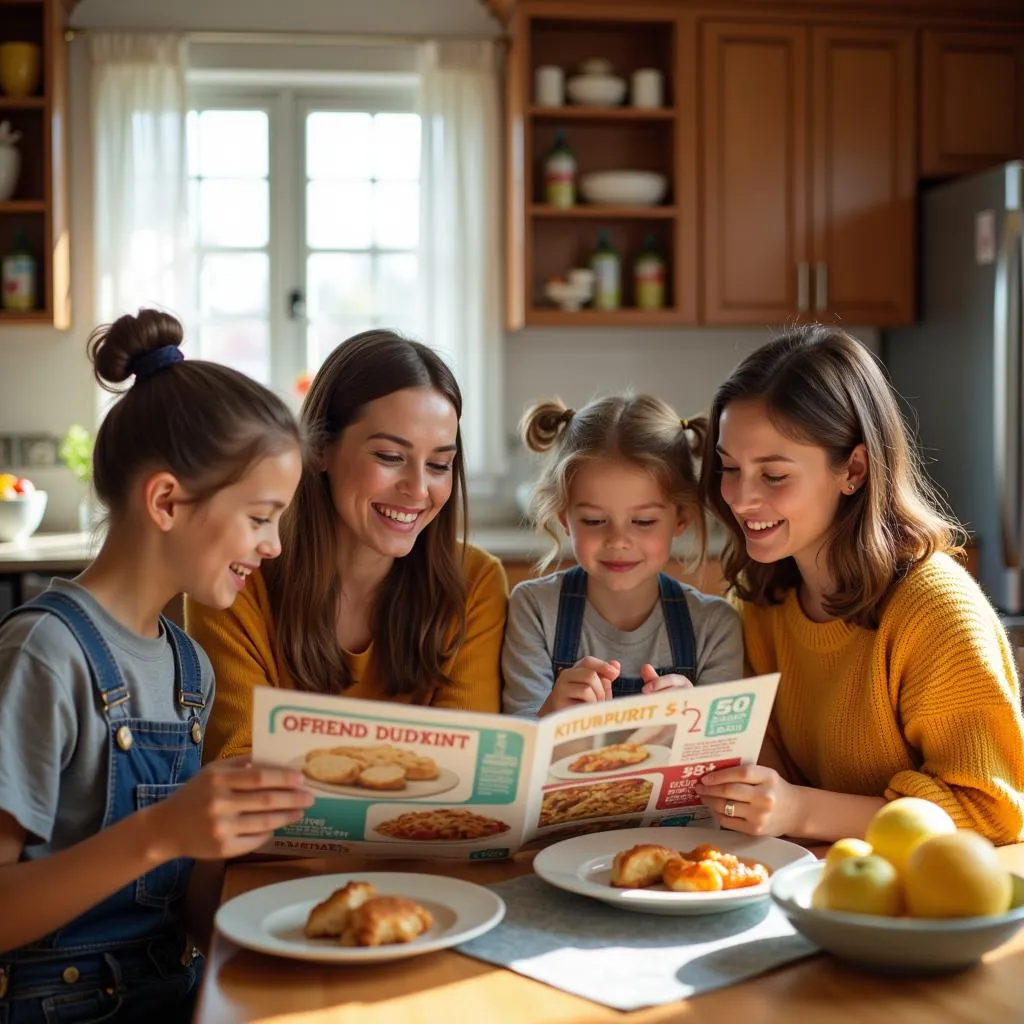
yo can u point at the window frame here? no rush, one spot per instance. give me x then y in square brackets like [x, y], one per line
[287, 99]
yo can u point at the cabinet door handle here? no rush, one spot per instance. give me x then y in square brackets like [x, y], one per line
[803, 287]
[821, 287]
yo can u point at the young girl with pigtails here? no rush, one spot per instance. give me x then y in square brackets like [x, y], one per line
[621, 481]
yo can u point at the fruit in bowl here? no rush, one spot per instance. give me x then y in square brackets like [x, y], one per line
[927, 898]
[21, 507]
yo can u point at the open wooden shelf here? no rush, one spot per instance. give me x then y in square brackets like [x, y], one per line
[23, 206]
[541, 317]
[15, 318]
[577, 113]
[587, 212]
[22, 102]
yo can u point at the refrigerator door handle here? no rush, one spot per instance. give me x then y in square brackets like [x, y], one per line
[1008, 399]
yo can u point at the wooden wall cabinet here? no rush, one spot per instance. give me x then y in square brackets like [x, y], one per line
[972, 100]
[544, 241]
[39, 205]
[808, 173]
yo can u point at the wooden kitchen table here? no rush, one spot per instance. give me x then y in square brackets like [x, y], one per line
[448, 988]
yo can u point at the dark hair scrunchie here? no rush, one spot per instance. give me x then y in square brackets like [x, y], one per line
[148, 363]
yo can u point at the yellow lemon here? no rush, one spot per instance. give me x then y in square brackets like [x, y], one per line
[900, 825]
[842, 849]
[956, 875]
[860, 885]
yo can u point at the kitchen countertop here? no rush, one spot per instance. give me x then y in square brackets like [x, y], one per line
[71, 552]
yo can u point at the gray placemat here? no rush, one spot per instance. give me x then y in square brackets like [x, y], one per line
[628, 960]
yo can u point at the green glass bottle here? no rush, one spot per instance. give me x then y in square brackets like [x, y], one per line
[607, 273]
[649, 277]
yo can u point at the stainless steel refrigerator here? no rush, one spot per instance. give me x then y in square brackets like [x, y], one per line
[961, 369]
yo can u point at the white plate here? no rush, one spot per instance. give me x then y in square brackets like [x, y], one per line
[271, 919]
[657, 755]
[413, 789]
[584, 864]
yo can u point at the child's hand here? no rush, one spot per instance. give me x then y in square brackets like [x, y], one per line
[589, 680]
[653, 682]
[229, 808]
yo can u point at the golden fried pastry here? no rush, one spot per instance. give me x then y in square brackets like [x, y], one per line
[618, 755]
[420, 769]
[441, 823]
[382, 776]
[333, 768]
[327, 920]
[692, 876]
[641, 865]
[385, 920]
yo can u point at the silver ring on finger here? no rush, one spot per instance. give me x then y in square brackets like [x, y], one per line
[730, 809]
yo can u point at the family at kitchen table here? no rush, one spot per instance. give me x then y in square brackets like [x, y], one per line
[326, 555]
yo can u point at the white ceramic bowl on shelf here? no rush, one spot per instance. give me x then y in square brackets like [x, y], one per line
[20, 517]
[623, 188]
[596, 90]
[895, 945]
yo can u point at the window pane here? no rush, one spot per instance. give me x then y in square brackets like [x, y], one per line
[236, 284]
[233, 144]
[396, 284]
[338, 215]
[322, 339]
[243, 344]
[338, 145]
[397, 224]
[396, 146]
[234, 213]
[339, 284]
[192, 142]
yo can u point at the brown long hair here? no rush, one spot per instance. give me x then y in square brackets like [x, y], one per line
[428, 585]
[637, 429]
[820, 386]
[205, 423]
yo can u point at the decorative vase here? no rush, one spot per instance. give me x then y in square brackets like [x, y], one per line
[10, 166]
[19, 69]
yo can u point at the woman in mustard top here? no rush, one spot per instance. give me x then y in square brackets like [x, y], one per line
[896, 676]
[374, 595]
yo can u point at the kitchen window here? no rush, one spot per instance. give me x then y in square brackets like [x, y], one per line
[305, 221]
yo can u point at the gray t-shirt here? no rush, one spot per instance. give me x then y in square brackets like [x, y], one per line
[53, 756]
[530, 642]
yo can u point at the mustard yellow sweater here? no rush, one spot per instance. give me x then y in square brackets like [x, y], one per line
[242, 647]
[927, 705]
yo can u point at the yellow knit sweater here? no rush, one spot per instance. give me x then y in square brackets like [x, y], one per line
[927, 705]
[242, 647]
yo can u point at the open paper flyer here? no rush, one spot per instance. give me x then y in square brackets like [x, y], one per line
[402, 780]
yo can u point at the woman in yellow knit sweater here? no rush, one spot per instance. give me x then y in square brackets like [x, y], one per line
[374, 595]
[897, 678]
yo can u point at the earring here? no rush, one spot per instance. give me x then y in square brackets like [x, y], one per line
[850, 488]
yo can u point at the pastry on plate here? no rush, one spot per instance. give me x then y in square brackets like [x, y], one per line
[385, 920]
[640, 866]
[327, 920]
[335, 769]
[382, 776]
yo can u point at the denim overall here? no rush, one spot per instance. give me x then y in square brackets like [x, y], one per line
[572, 602]
[123, 959]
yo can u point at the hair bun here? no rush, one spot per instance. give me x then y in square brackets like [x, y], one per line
[115, 348]
[543, 423]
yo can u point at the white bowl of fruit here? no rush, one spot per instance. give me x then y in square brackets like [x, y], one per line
[914, 896]
[21, 507]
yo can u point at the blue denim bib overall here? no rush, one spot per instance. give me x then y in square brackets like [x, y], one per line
[572, 603]
[122, 960]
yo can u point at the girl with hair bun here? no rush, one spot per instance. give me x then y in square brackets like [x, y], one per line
[621, 481]
[103, 806]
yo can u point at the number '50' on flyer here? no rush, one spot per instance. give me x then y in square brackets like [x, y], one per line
[402, 780]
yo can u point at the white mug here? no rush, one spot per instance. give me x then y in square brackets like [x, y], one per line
[549, 86]
[647, 91]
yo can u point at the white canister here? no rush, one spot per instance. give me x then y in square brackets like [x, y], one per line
[549, 86]
[647, 91]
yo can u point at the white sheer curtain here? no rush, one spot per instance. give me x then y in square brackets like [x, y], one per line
[460, 235]
[139, 109]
